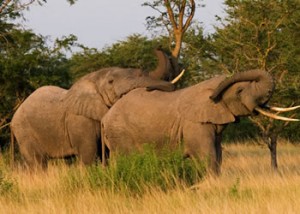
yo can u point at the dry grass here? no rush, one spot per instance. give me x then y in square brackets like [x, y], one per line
[247, 185]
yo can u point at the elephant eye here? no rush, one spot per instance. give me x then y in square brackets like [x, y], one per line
[238, 91]
[110, 81]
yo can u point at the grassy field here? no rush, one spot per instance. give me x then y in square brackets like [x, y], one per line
[247, 185]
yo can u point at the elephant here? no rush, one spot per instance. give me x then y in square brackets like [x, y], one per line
[55, 123]
[193, 117]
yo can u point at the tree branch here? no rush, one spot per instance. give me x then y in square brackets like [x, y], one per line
[4, 5]
[181, 15]
[171, 14]
[191, 16]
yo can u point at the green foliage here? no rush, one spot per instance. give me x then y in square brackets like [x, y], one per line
[137, 172]
[198, 56]
[26, 63]
[135, 52]
[8, 187]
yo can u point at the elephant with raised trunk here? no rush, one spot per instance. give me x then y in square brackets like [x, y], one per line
[54, 122]
[196, 115]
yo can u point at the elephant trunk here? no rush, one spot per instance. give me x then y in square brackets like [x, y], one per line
[264, 85]
[164, 68]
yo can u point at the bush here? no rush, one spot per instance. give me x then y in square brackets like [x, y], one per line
[137, 172]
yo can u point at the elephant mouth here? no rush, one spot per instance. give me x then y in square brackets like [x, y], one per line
[278, 110]
[123, 94]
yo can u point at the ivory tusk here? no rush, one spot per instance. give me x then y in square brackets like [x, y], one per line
[178, 77]
[274, 116]
[279, 109]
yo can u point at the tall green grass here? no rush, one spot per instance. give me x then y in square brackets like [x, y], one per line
[137, 172]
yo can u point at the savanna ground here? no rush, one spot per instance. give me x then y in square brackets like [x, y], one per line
[247, 185]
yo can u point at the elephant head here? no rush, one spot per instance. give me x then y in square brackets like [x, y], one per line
[242, 94]
[93, 94]
[245, 91]
[248, 92]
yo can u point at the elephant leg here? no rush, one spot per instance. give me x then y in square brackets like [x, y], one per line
[83, 134]
[105, 151]
[85, 148]
[30, 150]
[33, 159]
[218, 147]
[199, 140]
[88, 151]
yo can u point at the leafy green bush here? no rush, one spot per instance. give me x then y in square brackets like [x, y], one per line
[139, 171]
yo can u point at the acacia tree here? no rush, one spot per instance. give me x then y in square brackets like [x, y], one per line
[263, 34]
[175, 16]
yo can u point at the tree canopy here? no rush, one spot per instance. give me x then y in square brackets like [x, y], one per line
[263, 34]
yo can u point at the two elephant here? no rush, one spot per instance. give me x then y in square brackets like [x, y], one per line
[112, 104]
[54, 122]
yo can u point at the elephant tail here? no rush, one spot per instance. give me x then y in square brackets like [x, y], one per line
[105, 153]
[12, 148]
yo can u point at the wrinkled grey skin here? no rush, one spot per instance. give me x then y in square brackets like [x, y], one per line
[195, 115]
[55, 123]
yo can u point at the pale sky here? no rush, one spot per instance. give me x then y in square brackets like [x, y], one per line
[98, 23]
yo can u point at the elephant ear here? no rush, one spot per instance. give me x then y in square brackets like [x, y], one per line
[83, 99]
[204, 110]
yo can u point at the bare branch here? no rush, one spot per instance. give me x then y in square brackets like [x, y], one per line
[171, 14]
[22, 6]
[259, 124]
[181, 14]
[191, 16]
[4, 5]
[17, 6]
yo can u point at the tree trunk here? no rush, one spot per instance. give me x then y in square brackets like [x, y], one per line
[176, 52]
[273, 151]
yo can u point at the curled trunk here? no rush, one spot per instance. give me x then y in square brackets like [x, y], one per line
[265, 84]
[163, 66]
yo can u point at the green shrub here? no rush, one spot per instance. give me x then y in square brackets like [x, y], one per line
[137, 172]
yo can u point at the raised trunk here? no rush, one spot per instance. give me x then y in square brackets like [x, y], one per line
[163, 68]
[262, 78]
